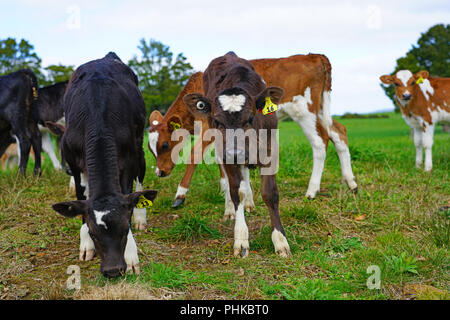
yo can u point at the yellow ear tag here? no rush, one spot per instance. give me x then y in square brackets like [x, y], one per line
[269, 107]
[175, 125]
[420, 80]
[144, 203]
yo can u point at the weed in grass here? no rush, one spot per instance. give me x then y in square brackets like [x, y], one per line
[307, 289]
[192, 227]
[361, 153]
[401, 264]
[341, 244]
[304, 213]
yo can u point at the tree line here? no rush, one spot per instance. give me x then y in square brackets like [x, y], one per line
[162, 74]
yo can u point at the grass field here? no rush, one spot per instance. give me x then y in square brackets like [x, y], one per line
[397, 222]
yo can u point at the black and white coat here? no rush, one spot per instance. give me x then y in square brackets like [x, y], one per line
[102, 144]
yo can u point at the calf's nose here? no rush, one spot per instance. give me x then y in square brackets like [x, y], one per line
[236, 155]
[160, 173]
[406, 96]
[114, 271]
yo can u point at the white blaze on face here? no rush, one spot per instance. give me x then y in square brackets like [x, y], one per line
[152, 141]
[232, 103]
[99, 217]
[404, 76]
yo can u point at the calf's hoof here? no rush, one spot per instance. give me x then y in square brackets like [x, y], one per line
[140, 226]
[284, 253]
[228, 216]
[133, 268]
[86, 255]
[249, 206]
[241, 246]
[355, 190]
[281, 244]
[178, 202]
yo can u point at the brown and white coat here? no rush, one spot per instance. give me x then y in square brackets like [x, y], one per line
[306, 80]
[424, 101]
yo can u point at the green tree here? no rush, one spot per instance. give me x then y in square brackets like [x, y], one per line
[18, 55]
[432, 53]
[161, 76]
[57, 73]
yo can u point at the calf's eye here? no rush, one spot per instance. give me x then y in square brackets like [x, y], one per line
[201, 105]
[165, 146]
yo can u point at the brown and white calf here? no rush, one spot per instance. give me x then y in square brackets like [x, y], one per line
[424, 101]
[306, 80]
[234, 93]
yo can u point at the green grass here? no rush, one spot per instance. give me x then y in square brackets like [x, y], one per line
[398, 221]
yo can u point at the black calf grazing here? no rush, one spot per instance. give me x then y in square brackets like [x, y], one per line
[102, 144]
[19, 116]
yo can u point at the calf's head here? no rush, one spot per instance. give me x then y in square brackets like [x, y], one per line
[160, 142]
[108, 223]
[404, 82]
[232, 113]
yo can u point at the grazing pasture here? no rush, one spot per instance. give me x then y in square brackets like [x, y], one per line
[399, 221]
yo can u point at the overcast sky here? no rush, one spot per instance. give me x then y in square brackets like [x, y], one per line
[362, 39]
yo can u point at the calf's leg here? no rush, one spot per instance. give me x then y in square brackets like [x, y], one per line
[418, 143]
[269, 192]
[428, 137]
[47, 147]
[237, 193]
[131, 254]
[36, 141]
[183, 187]
[87, 248]
[338, 134]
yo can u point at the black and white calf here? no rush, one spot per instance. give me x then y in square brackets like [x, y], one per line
[19, 116]
[102, 144]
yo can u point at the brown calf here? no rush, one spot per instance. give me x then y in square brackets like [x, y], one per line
[423, 101]
[234, 93]
[306, 80]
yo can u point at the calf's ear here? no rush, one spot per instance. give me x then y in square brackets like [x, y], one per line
[421, 74]
[155, 118]
[274, 93]
[387, 79]
[197, 104]
[71, 209]
[55, 128]
[134, 198]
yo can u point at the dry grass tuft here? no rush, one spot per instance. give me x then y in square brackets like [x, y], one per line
[126, 291]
